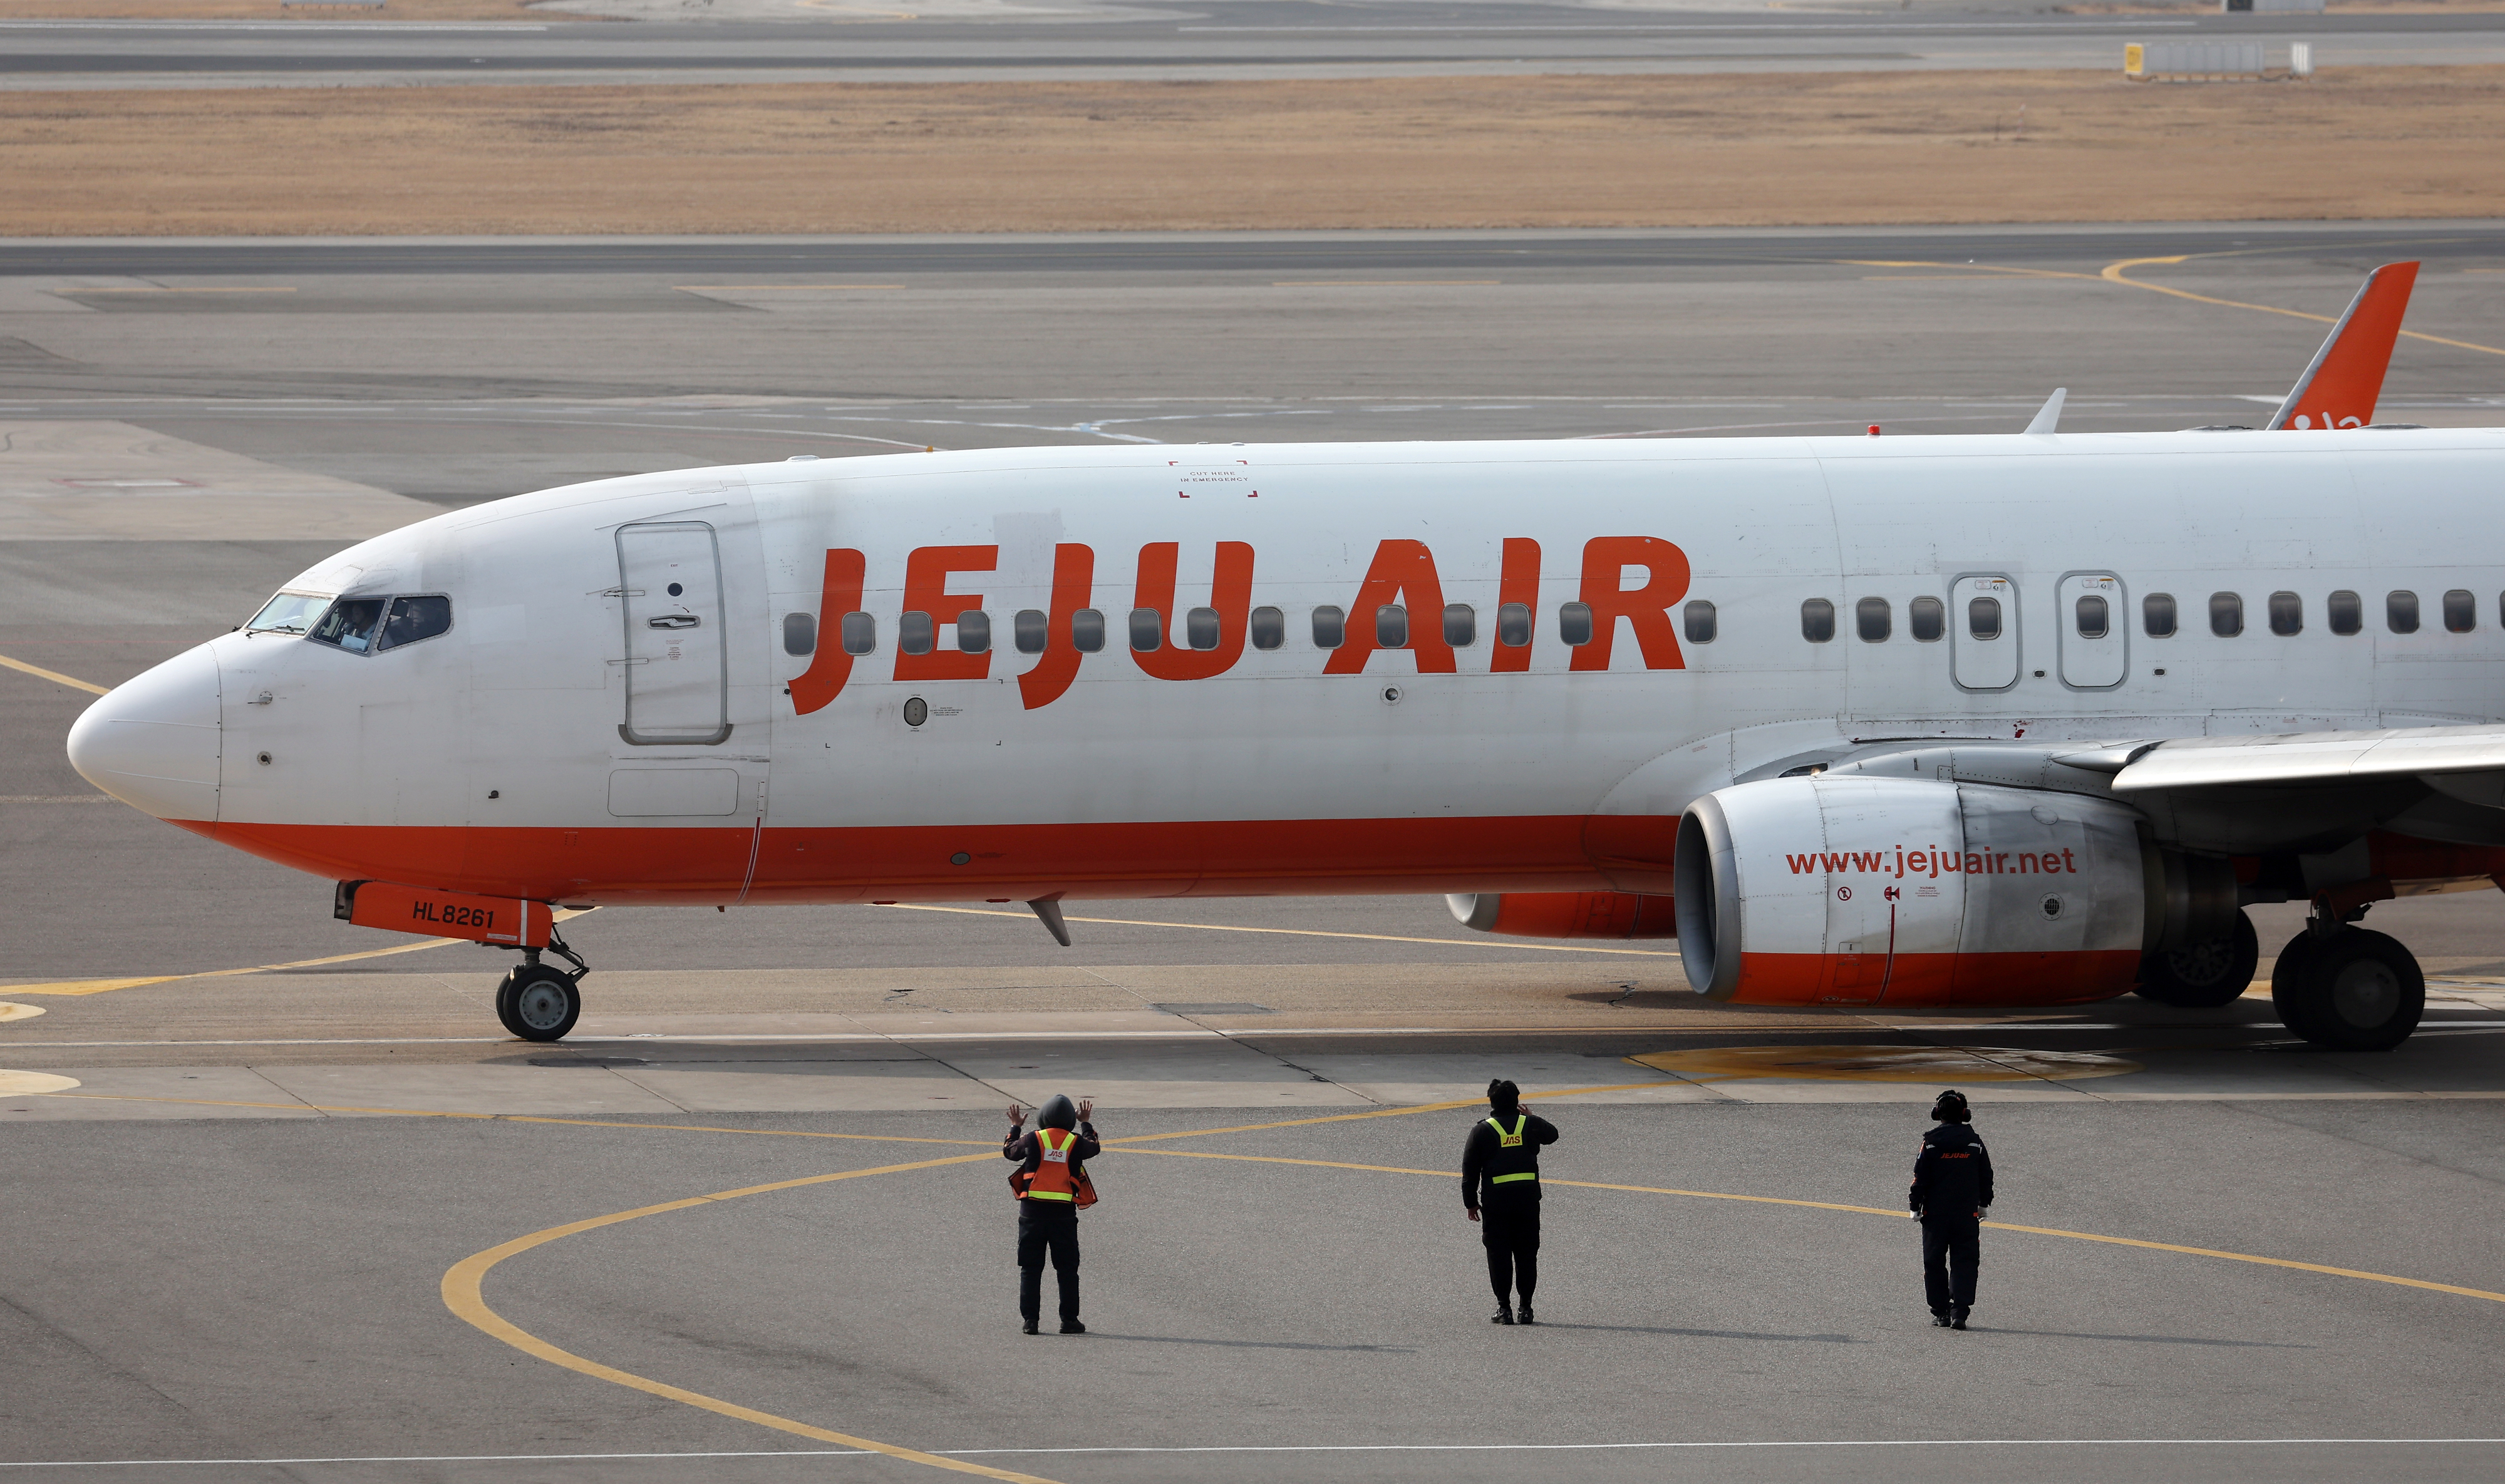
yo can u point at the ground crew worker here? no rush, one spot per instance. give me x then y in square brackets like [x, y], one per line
[1952, 1191]
[1048, 1183]
[1503, 1154]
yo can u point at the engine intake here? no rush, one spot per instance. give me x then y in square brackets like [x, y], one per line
[1910, 892]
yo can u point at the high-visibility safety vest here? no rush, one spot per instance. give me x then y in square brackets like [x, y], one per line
[1054, 1177]
[1512, 1139]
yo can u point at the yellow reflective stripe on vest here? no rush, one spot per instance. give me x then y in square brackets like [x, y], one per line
[1510, 1140]
[1064, 1196]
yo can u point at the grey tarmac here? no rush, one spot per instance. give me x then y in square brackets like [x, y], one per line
[231, 1240]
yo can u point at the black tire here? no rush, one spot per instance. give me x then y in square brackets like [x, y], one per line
[2353, 991]
[2287, 979]
[538, 1002]
[2204, 976]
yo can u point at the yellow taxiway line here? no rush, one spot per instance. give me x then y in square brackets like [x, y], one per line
[54, 676]
[463, 1295]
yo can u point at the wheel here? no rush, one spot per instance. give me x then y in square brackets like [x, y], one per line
[2204, 976]
[538, 1002]
[2353, 991]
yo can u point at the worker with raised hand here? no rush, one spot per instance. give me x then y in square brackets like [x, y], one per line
[1051, 1185]
[1952, 1192]
[1501, 1191]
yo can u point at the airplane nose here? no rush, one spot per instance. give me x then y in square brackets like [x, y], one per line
[152, 741]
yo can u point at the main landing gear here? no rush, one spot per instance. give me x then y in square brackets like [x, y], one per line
[2204, 976]
[541, 1002]
[2347, 988]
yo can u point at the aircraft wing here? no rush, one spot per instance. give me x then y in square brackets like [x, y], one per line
[2301, 757]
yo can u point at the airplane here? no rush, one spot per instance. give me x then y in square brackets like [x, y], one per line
[1986, 721]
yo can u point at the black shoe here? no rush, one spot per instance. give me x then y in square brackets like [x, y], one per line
[1957, 1321]
[1032, 1327]
[1524, 1316]
[1502, 1317]
[1073, 1327]
[1939, 1320]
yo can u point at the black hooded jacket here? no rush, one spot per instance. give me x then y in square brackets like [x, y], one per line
[1952, 1173]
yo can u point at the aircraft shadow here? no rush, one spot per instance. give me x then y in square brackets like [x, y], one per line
[1705, 1334]
[2143, 1340]
[1182, 1340]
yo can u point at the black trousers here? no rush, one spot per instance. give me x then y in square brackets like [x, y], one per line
[1048, 1226]
[1952, 1249]
[1512, 1235]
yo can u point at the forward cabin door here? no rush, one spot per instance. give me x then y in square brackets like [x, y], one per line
[1983, 632]
[678, 660]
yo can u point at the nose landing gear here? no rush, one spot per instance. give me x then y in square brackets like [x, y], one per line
[541, 1002]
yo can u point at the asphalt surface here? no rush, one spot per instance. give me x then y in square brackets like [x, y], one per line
[1257, 38]
[275, 1290]
[200, 1263]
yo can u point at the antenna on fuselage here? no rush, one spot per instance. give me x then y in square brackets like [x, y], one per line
[2048, 417]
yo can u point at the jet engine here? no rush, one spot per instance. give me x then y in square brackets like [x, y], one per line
[1911, 891]
[1565, 914]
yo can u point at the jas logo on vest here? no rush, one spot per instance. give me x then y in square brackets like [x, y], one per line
[1626, 583]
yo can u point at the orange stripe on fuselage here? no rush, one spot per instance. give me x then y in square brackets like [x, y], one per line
[1909, 980]
[705, 866]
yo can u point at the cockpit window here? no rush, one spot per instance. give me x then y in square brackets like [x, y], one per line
[350, 624]
[289, 612]
[412, 618]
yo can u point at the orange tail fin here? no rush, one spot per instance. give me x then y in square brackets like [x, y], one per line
[2339, 388]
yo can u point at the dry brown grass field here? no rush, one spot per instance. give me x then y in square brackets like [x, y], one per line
[1425, 152]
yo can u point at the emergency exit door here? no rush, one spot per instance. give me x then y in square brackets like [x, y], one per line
[1983, 632]
[2094, 646]
[677, 662]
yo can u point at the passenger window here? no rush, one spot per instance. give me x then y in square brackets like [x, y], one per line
[289, 612]
[1200, 628]
[1460, 626]
[1331, 628]
[1817, 621]
[2460, 610]
[2157, 615]
[1575, 623]
[2093, 615]
[1148, 630]
[1269, 629]
[1703, 625]
[914, 633]
[2401, 612]
[1513, 625]
[1983, 618]
[1873, 621]
[2226, 613]
[424, 617]
[349, 624]
[974, 631]
[1030, 630]
[2344, 611]
[1392, 626]
[799, 633]
[860, 633]
[2286, 614]
[1928, 620]
[1087, 631]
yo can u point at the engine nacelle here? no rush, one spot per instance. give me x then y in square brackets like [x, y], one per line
[1567, 914]
[1912, 892]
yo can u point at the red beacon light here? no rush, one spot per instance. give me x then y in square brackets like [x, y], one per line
[1874, 430]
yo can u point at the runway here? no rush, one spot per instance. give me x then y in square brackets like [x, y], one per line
[306, 1213]
[1259, 38]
